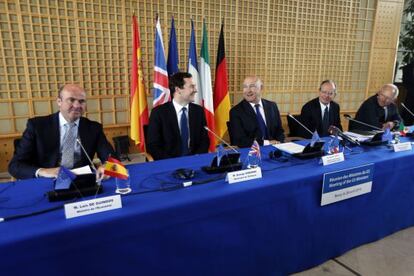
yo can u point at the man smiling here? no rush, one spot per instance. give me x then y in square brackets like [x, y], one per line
[255, 118]
[50, 141]
[176, 128]
[321, 112]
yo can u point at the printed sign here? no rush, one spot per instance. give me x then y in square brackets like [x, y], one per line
[345, 184]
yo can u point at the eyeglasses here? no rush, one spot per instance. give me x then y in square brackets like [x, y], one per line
[388, 98]
[250, 86]
[328, 93]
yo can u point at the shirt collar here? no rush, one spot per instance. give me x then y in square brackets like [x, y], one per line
[178, 107]
[62, 121]
[323, 106]
[259, 103]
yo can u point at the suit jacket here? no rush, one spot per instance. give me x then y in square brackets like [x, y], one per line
[164, 138]
[244, 128]
[372, 113]
[311, 117]
[40, 145]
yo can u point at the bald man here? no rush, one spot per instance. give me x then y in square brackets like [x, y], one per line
[255, 118]
[45, 144]
[378, 110]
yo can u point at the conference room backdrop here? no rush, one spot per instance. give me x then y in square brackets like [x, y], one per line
[292, 45]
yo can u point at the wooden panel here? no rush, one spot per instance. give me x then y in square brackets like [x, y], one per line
[292, 45]
[384, 44]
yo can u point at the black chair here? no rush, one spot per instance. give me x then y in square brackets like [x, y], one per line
[229, 132]
[122, 147]
[16, 143]
[295, 129]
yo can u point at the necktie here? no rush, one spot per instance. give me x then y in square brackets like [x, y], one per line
[261, 123]
[325, 122]
[68, 147]
[184, 132]
[385, 114]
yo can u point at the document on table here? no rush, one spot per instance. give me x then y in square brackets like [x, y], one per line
[290, 147]
[82, 170]
[358, 137]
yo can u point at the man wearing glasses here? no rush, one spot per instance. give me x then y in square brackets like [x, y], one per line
[378, 110]
[255, 118]
[322, 112]
[54, 140]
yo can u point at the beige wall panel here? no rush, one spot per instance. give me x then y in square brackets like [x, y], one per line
[384, 44]
[293, 45]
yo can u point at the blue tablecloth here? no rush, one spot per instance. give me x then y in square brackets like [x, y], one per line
[271, 226]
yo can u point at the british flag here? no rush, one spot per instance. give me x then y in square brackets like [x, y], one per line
[255, 149]
[161, 93]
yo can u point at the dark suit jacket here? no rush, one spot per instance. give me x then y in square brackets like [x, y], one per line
[244, 128]
[163, 137]
[372, 113]
[40, 145]
[311, 117]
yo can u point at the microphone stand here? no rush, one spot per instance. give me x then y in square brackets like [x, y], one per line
[348, 117]
[221, 140]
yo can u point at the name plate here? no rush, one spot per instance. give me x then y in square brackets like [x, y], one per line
[244, 175]
[333, 158]
[402, 146]
[93, 206]
[345, 184]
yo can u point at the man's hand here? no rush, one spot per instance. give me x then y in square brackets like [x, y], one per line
[389, 125]
[100, 174]
[48, 172]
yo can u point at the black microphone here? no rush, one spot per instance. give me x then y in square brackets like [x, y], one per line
[221, 139]
[336, 131]
[87, 155]
[349, 118]
[302, 125]
[277, 155]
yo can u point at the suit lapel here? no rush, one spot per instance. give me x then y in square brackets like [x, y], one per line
[172, 118]
[54, 139]
[268, 114]
[248, 109]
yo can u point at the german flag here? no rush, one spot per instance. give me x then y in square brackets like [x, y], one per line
[221, 97]
[115, 168]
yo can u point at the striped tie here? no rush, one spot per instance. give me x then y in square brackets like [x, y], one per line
[68, 148]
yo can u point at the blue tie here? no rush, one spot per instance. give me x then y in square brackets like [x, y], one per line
[261, 123]
[184, 132]
[325, 122]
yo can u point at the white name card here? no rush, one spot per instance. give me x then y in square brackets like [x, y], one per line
[93, 206]
[333, 158]
[244, 175]
[402, 146]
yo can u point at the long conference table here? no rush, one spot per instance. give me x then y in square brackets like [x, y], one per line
[270, 226]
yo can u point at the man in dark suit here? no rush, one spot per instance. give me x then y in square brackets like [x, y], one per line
[176, 128]
[255, 118]
[50, 141]
[378, 110]
[322, 112]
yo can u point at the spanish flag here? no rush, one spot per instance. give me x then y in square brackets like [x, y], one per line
[139, 107]
[115, 169]
[221, 97]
